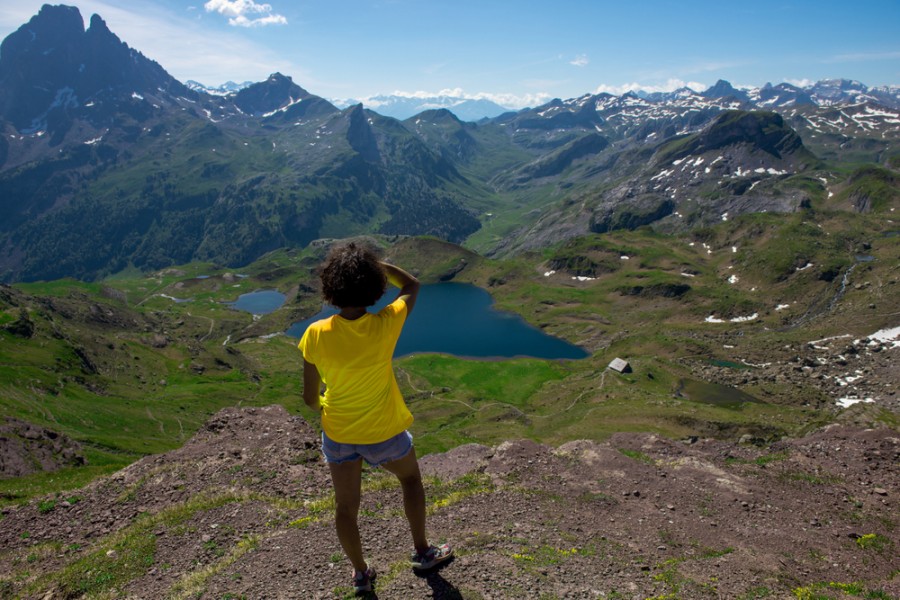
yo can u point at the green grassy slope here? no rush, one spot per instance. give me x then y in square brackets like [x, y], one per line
[124, 368]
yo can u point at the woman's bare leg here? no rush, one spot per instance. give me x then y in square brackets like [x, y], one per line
[346, 478]
[407, 471]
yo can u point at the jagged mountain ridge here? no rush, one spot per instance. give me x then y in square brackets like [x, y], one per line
[827, 92]
[54, 73]
[225, 178]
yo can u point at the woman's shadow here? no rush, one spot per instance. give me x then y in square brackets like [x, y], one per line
[441, 589]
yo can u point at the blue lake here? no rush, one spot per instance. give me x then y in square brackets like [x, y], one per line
[261, 302]
[458, 319]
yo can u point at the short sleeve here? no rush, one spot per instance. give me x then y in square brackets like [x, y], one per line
[394, 316]
[307, 344]
[396, 309]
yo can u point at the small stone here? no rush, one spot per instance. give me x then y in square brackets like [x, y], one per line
[880, 491]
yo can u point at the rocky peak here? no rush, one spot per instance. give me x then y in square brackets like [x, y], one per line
[783, 94]
[360, 134]
[52, 25]
[763, 130]
[50, 67]
[840, 84]
[834, 91]
[724, 89]
[36, 60]
[99, 28]
[278, 91]
[440, 115]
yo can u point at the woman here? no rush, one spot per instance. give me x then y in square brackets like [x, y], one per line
[364, 416]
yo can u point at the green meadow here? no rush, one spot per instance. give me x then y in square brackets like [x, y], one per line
[136, 363]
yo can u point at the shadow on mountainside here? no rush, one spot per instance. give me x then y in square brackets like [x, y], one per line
[244, 510]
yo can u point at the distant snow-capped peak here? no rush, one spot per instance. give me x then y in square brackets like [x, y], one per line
[229, 87]
[404, 107]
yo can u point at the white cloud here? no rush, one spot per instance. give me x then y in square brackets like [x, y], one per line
[237, 11]
[801, 83]
[514, 101]
[518, 101]
[580, 61]
[454, 92]
[669, 86]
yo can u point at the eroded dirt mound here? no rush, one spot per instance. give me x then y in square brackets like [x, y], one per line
[244, 510]
[26, 448]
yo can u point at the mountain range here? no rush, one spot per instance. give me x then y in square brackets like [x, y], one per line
[828, 92]
[109, 163]
[392, 105]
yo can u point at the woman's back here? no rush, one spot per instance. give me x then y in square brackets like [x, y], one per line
[362, 402]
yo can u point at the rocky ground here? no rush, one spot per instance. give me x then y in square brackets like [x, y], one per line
[243, 510]
[26, 448]
[846, 370]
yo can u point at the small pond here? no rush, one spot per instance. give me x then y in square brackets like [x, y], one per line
[714, 393]
[459, 319]
[260, 302]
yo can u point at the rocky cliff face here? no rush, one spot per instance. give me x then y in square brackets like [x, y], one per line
[245, 508]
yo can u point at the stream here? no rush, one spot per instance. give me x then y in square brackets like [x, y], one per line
[812, 312]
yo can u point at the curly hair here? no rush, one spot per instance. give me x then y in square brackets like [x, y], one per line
[352, 276]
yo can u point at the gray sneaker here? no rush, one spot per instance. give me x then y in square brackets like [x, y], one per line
[362, 580]
[431, 558]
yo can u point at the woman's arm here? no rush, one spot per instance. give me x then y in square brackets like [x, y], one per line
[312, 381]
[409, 285]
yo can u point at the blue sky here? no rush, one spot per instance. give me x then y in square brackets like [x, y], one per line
[518, 53]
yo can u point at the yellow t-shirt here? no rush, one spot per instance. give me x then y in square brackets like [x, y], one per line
[362, 403]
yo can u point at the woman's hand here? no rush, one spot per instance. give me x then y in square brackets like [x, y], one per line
[408, 284]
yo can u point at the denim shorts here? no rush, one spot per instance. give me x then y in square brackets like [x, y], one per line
[387, 451]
